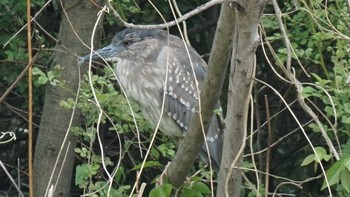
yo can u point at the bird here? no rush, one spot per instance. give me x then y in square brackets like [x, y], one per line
[159, 71]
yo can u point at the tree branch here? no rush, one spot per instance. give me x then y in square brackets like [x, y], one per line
[211, 90]
[186, 16]
[248, 14]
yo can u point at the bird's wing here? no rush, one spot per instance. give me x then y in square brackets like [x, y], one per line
[181, 98]
[182, 93]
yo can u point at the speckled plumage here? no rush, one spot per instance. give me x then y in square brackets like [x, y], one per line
[152, 65]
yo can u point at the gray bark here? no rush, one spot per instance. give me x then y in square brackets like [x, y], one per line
[248, 14]
[55, 120]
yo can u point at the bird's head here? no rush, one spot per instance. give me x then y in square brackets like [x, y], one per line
[129, 44]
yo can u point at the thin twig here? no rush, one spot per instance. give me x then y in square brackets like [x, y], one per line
[186, 16]
[281, 177]
[252, 108]
[100, 113]
[52, 37]
[300, 126]
[30, 103]
[19, 174]
[285, 183]
[18, 112]
[61, 167]
[19, 31]
[184, 25]
[281, 139]
[269, 140]
[19, 77]
[12, 181]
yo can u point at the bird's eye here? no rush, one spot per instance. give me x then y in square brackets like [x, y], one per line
[126, 43]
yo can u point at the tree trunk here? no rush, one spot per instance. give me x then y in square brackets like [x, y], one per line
[247, 18]
[55, 122]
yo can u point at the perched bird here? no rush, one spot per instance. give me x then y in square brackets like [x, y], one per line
[157, 72]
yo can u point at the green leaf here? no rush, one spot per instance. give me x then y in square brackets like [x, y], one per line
[314, 127]
[340, 53]
[10, 55]
[201, 187]
[119, 174]
[42, 80]
[321, 81]
[345, 180]
[82, 173]
[161, 191]
[77, 150]
[155, 153]
[347, 162]
[321, 152]
[308, 91]
[345, 120]
[93, 169]
[50, 75]
[147, 165]
[37, 71]
[333, 173]
[309, 159]
[65, 104]
[187, 192]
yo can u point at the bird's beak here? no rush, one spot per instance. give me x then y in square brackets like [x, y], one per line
[100, 54]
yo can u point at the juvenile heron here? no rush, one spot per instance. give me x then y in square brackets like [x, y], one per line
[153, 66]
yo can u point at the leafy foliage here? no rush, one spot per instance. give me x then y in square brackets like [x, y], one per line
[317, 32]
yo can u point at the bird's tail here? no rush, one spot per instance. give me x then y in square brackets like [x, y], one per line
[214, 141]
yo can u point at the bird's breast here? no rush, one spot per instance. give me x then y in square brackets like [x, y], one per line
[143, 84]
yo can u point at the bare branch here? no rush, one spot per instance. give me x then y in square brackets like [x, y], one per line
[211, 90]
[11, 179]
[19, 77]
[186, 16]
